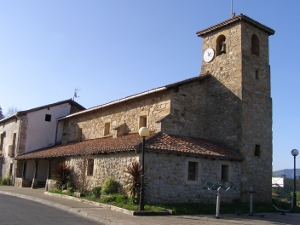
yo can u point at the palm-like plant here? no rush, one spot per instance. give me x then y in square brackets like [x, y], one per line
[133, 182]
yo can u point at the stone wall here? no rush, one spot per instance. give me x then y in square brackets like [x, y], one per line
[188, 110]
[165, 177]
[10, 127]
[257, 115]
[224, 92]
[154, 106]
[105, 166]
[239, 104]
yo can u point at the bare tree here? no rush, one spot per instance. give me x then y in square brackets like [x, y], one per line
[11, 110]
[81, 172]
[1, 113]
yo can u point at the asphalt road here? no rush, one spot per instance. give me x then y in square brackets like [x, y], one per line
[14, 210]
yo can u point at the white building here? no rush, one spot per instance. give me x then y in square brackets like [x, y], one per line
[26, 131]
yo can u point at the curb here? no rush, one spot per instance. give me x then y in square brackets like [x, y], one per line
[111, 207]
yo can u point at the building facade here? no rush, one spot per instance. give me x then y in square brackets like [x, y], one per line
[26, 131]
[211, 128]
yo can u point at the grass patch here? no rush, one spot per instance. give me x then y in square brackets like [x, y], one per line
[188, 208]
[226, 208]
[127, 203]
[5, 181]
[56, 191]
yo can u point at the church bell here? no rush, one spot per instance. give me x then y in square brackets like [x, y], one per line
[223, 47]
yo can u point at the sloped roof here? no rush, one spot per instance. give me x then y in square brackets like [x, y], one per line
[70, 101]
[156, 142]
[234, 19]
[166, 87]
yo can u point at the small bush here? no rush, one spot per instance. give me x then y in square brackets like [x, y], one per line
[5, 181]
[110, 186]
[96, 192]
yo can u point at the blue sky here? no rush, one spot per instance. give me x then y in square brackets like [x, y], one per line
[115, 48]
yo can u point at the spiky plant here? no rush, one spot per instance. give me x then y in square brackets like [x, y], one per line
[133, 182]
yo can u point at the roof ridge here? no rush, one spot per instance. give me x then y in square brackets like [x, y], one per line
[233, 19]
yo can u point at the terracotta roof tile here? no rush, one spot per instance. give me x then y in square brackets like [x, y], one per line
[156, 142]
[193, 146]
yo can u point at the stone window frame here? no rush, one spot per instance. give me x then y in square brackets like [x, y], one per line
[186, 171]
[143, 119]
[255, 46]
[107, 127]
[90, 167]
[228, 172]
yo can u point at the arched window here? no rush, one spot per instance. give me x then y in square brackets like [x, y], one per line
[221, 45]
[254, 45]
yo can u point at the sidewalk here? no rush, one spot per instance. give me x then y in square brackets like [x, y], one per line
[111, 217]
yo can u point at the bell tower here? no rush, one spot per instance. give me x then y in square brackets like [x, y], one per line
[239, 104]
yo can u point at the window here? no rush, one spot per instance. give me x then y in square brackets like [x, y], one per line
[192, 171]
[143, 121]
[254, 45]
[10, 169]
[224, 173]
[256, 74]
[221, 45]
[90, 167]
[2, 136]
[106, 128]
[257, 150]
[48, 117]
[79, 134]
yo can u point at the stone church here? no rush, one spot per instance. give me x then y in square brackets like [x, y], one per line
[210, 128]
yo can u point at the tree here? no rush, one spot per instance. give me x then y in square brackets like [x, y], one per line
[81, 170]
[1, 113]
[11, 110]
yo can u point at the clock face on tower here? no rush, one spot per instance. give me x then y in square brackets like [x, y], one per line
[208, 55]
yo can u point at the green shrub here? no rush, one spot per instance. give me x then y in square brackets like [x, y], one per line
[110, 186]
[96, 192]
[5, 181]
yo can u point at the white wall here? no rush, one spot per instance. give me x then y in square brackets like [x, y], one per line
[41, 133]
